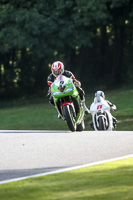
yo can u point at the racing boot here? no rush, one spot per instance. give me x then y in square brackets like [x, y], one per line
[114, 122]
[84, 106]
[59, 116]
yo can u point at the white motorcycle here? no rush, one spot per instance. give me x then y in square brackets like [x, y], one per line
[101, 116]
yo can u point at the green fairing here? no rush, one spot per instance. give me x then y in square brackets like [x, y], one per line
[70, 90]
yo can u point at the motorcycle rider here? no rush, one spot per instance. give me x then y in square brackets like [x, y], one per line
[58, 69]
[112, 107]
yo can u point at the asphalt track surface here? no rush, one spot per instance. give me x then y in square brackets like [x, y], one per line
[25, 153]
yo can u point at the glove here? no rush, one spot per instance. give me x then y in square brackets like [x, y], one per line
[77, 84]
[113, 108]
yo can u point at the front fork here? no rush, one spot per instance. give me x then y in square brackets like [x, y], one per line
[59, 110]
[62, 102]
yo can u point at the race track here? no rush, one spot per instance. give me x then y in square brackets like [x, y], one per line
[24, 153]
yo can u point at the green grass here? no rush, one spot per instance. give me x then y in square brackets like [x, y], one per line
[38, 114]
[110, 181]
[125, 125]
[31, 117]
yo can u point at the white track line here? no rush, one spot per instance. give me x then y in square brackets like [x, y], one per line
[33, 131]
[66, 169]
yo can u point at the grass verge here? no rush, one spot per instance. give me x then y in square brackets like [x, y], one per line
[110, 181]
[38, 114]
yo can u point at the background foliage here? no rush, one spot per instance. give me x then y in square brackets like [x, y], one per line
[93, 38]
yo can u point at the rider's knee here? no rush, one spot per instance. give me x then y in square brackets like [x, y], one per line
[51, 101]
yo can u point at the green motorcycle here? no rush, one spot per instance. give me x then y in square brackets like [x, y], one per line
[68, 103]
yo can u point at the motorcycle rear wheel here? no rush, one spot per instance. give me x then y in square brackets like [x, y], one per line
[81, 126]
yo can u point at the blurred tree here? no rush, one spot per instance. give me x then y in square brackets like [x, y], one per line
[93, 38]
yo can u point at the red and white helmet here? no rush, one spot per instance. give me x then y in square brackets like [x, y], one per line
[57, 68]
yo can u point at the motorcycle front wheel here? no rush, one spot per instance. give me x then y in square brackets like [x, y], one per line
[68, 114]
[101, 123]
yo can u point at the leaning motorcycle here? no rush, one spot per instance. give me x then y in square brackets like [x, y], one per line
[101, 116]
[68, 103]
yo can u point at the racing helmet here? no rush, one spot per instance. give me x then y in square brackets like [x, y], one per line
[100, 93]
[57, 68]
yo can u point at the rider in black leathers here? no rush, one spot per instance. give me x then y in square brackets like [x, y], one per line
[57, 69]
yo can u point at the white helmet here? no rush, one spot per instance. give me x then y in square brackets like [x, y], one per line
[57, 68]
[100, 93]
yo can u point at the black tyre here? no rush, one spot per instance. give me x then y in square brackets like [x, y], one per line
[101, 123]
[69, 118]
